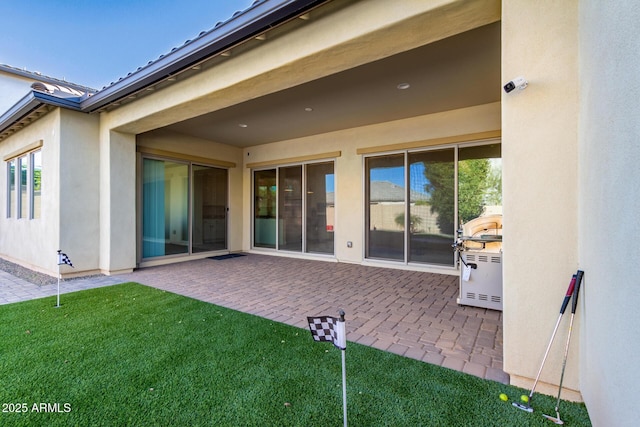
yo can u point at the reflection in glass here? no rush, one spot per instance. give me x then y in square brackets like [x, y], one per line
[429, 199]
[290, 208]
[386, 195]
[264, 192]
[432, 206]
[11, 184]
[36, 196]
[23, 205]
[479, 181]
[209, 209]
[165, 225]
[320, 208]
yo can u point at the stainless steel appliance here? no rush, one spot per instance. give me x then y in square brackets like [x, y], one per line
[479, 247]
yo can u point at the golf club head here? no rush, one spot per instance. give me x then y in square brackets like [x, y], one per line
[526, 408]
[556, 420]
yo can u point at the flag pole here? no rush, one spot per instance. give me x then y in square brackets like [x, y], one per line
[59, 259]
[341, 324]
[331, 329]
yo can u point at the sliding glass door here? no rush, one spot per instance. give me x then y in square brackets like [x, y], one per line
[386, 197]
[209, 209]
[183, 208]
[290, 208]
[165, 209]
[294, 208]
[415, 199]
[319, 212]
[432, 206]
[264, 222]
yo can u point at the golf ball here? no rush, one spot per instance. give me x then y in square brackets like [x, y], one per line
[503, 397]
[524, 398]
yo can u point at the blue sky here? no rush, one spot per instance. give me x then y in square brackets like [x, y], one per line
[95, 42]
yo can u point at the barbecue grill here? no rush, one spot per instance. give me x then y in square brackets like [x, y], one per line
[479, 248]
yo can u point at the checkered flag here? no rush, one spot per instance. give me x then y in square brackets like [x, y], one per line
[64, 259]
[326, 328]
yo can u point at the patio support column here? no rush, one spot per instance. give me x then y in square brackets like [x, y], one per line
[117, 202]
[540, 186]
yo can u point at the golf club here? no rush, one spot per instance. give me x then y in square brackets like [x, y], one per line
[574, 304]
[527, 407]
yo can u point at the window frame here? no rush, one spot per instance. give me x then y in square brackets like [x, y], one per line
[304, 208]
[21, 205]
[406, 152]
[190, 163]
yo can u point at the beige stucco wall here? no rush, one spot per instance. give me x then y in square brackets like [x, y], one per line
[117, 200]
[609, 206]
[69, 211]
[79, 191]
[540, 183]
[41, 234]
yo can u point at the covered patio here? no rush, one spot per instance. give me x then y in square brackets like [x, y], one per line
[410, 313]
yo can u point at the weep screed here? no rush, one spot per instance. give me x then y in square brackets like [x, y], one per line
[574, 304]
[527, 407]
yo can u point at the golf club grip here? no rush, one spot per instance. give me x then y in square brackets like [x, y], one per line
[576, 291]
[567, 297]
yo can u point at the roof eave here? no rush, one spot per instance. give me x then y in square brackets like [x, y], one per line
[31, 102]
[249, 23]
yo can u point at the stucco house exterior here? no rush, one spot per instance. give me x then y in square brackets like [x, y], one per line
[288, 129]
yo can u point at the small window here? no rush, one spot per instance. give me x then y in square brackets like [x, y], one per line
[24, 186]
[23, 166]
[36, 184]
[11, 186]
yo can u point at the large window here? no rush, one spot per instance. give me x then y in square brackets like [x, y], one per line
[416, 199]
[294, 208]
[173, 222]
[24, 186]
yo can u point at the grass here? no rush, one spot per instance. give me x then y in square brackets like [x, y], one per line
[129, 355]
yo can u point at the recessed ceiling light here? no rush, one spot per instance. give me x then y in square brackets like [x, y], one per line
[403, 86]
[243, 125]
[308, 109]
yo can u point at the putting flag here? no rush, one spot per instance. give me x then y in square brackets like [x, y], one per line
[331, 329]
[64, 259]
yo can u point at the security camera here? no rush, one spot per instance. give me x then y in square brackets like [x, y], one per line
[517, 83]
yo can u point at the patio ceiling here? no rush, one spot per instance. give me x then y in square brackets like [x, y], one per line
[457, 72]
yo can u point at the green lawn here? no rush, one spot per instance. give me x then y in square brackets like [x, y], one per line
[129, 355]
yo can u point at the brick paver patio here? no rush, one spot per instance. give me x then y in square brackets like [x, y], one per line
[410, 313]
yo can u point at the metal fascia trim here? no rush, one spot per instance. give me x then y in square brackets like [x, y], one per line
[245, 25]
[30, 102]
